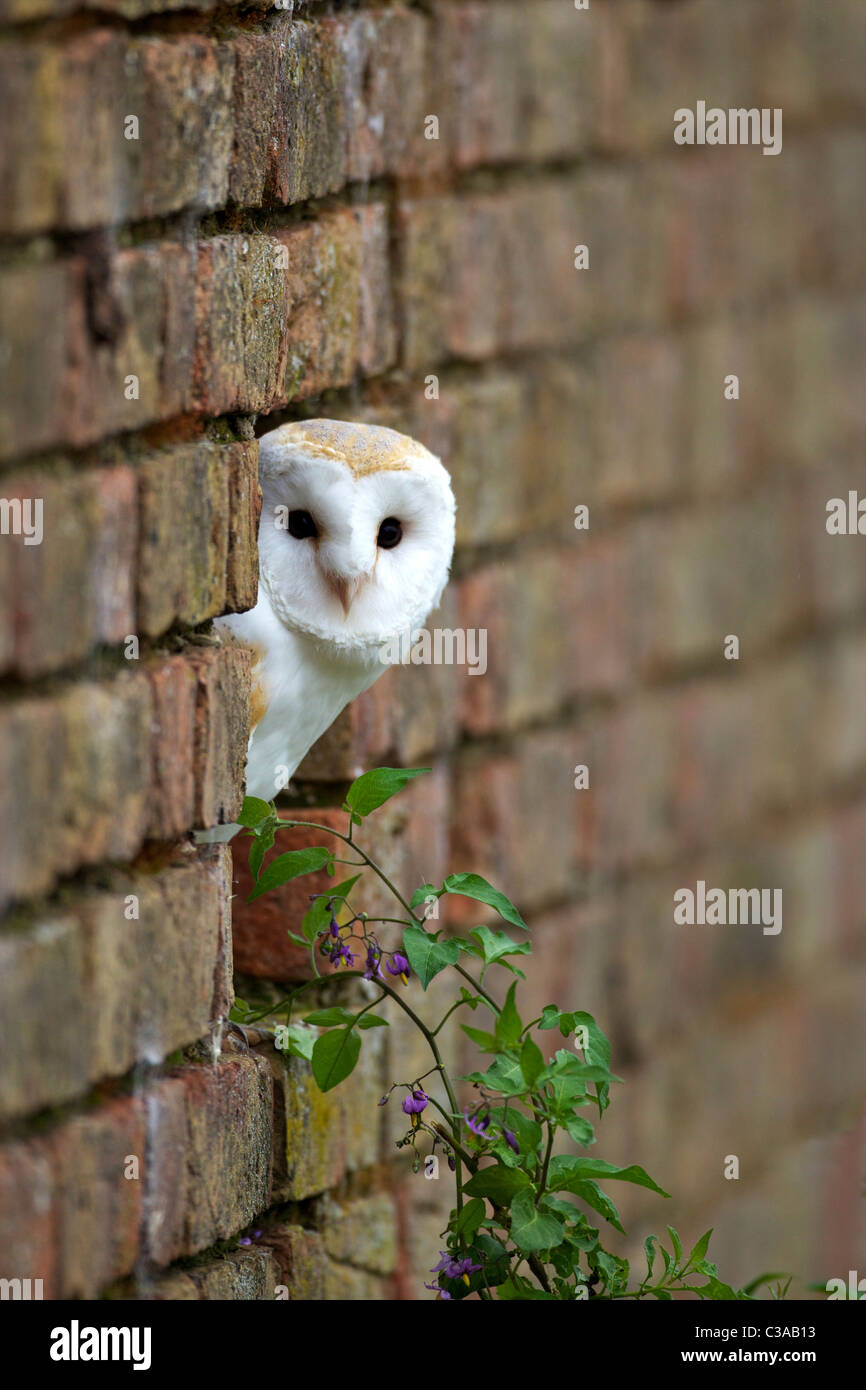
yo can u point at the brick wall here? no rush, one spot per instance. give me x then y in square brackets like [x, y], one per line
[282, 240]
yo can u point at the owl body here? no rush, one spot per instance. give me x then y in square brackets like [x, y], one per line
[299, 688]
[355, 542]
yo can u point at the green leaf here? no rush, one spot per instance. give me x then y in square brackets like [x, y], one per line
[485, 1042]
[531, 1062]
[770, 1278]
[300, 1041]
[677, 1246]
[718, 1292]
[526, 1132]
[318, 915]
[700, 1249]
[424, 893]
[580, 1130]
[470, 1218]
[549, 1016]
[518, 1289]
[498, 1183]
[597, 1050]
[334, 1057]
[565, 1169]
[590, 1192]
[428, 956]
[337, 1015]
[567, 1066]
[291, 865]
[502, 1075]
[649, 1248]
[532, 1229]
[509, 1025]
[330, 1018]
[253, 811]
[474, 886]
[494, 945]
[614, 1269]
[259, 848]
[372, 789]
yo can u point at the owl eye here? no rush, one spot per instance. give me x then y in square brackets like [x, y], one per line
[390, 533]
[302, 525]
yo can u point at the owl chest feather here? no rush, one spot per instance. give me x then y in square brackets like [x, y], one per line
[300, 685]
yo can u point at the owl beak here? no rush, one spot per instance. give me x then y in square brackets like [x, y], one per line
[345, 588]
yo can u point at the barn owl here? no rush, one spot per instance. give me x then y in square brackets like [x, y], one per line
[355, 543]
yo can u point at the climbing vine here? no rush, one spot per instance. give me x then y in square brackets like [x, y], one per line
[527, 1219]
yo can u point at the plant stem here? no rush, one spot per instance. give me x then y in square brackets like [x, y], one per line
[329, 830]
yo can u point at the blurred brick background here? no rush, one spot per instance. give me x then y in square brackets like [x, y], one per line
[282, 240]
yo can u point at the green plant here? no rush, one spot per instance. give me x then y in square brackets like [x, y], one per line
[522, 1223]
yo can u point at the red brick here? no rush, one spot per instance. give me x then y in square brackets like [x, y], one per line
[222, 725]
[28, 1249]
[74, 590]
[99, 734]
[228, 1150]
[98, 1208]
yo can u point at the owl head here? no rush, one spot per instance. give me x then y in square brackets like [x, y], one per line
[356, 531]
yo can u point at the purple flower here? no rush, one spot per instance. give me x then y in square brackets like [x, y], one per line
[415, 1103]
[479, 1124]
[452, 1163]
[334, 929]
[256, 1235]
[374, 966]
[399, 965]
[455, 1269]
[244, 1240]
[442, 1294]
[461, 1269]
[508, 1136]
[342, 953]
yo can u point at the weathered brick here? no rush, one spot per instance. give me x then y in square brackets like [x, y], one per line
[248, 1276]
[529, 860]
[242, 561]
[100, 735]
[289, 316]
[301, 1260]
[228, 1149]
[76, 169]
[174, 690]
[185, 527]
[45, 1028]
[513, 82]
[88, 990]
[523, 293]
[98, 1206]
[241, 306]
[361, 1233]
[319, 1137]
[70, 365]
[525, 615]
[73, 590]
[222, 724]
[28, 1249]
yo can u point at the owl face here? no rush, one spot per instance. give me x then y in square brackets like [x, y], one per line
[356, 531]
